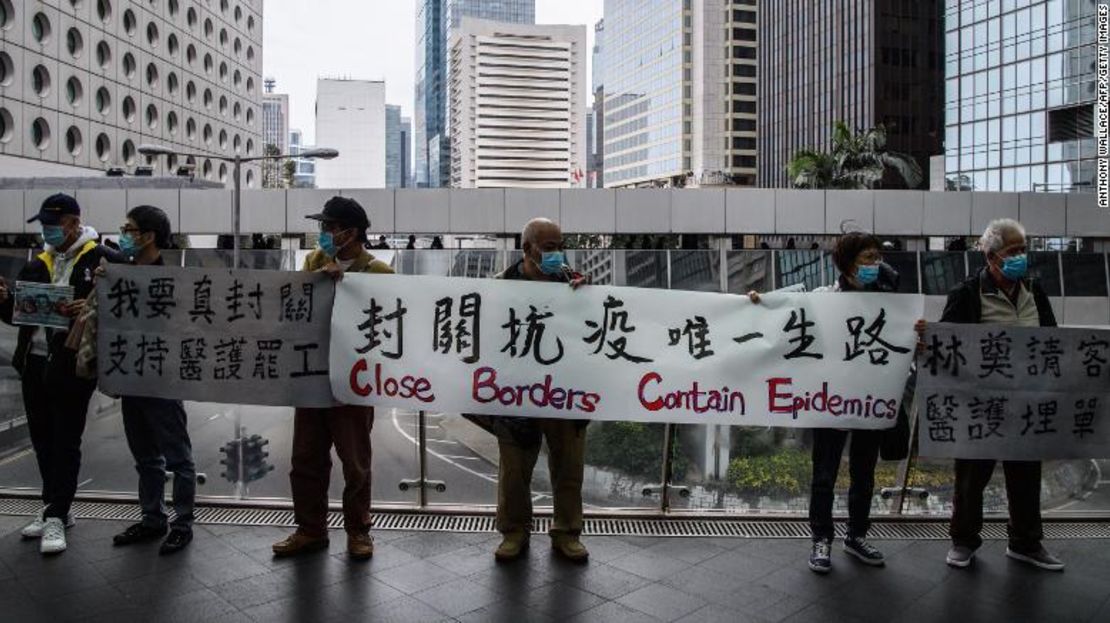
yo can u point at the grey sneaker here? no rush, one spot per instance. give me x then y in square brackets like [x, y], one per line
[1040, 558]
[819, 559]
[960, 556]
[33, 530]
[864, 551]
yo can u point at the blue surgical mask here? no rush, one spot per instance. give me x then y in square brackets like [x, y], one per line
[127, 245]
[53, 235]
[867, 274]
[552, 262]
[327, 244]
[1015, 267]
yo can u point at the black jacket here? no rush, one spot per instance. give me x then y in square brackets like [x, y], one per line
[81, 278]
[966, 307]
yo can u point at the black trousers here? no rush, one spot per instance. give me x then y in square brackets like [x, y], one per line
[828, 446]
[57, 404]
[158, 437]
[1023, 492]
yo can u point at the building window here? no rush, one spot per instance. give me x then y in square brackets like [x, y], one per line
[129, 22]
[7, 126]
[103, 147]
[40, 81]
[40, 134]
[128, 153]
[73, 141]
[152, 34]
[74, 91]
[1071, 124]
[128, 109]
[103, 54]
[7, 69]
[40, 28]
[104, 10]
[103, 102]
[75, 43]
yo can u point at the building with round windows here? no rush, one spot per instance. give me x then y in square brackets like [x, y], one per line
[83, 83]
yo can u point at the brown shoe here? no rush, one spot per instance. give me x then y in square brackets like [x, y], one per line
[360, 546]
[570, 547]
[299, 543]
[512, 546]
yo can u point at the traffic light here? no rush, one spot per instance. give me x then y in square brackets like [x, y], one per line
[230, 460]
[255, 466]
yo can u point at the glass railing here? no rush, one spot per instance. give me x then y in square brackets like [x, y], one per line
[712, 468]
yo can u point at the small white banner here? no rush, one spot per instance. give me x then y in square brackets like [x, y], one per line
[996, 392]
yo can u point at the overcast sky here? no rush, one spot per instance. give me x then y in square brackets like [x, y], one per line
[364, 39]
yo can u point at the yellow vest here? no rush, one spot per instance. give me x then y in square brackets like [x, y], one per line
[48, 259]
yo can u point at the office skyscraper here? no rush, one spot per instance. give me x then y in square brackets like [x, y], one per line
[679, 92]
[863, 62]
[398, 132]
[275, 133]
[350, 117]
[517, 105]
[1019, 95]
[435, 19]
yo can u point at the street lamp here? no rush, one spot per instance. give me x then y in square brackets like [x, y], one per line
[323, 153]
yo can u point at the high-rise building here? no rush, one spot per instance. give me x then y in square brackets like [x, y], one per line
[304, 169]
[275, 133]
[435, 20]
[595, 170]
[83, 84]
[406, 152]
[517, 105]
[863, 62]
[398, 133]
[1020, 93]
[350, 117]
[679, 92]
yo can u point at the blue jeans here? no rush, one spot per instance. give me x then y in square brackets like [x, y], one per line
[159, 440]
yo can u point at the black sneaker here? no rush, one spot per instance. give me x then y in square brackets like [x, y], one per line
[139, 533]
[819, 560]
[864, 551]
[175, 542]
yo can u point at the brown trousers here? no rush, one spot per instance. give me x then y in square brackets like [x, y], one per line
[315, 431]
[566, 444]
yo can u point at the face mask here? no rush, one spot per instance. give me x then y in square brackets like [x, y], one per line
[552, 262]
[128, 246]
[1015, 267]
[867, 274]
[327, 244]
[53, 235]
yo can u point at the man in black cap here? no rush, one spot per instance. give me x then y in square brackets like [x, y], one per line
[343, 226]
[55, 398]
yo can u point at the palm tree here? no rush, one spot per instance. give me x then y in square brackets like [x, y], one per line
[856, 161]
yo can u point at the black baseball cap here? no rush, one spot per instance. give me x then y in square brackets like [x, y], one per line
[343, 211]
[54, 208]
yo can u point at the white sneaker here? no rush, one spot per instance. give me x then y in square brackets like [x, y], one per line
[53, 536]
[33, 530]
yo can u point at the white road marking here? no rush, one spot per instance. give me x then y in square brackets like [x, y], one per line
[459, 457]
[83, 483]
[17, 456]
[446, 441]
[439, 456]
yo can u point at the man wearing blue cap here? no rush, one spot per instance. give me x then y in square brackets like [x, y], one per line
[55, 398]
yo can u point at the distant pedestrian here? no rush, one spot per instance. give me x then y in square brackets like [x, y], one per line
[437, 242]
[412, 243]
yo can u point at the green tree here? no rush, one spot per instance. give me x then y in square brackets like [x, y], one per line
[856, 160]
[289, 172]
[271, 169]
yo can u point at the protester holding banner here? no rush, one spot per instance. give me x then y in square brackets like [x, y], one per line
[56, 399]
[156, 428]
[1000, 294]
[519, 440]
[343, 227]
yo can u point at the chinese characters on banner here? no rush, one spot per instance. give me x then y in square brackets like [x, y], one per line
[998, 392]
[215, 335]
[534, 349]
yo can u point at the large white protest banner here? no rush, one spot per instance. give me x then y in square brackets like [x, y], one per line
[997, 392]
[215, 335]
[541, 349]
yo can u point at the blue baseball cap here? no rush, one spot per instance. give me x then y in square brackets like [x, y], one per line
[54, 208]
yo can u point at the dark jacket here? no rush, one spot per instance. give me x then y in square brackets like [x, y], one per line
[522, 431]
[965, 306]
[81, 278]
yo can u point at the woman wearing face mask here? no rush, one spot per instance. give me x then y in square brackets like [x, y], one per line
[858, 257]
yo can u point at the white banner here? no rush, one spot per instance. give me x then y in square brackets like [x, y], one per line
[997, 392]
[605, 353]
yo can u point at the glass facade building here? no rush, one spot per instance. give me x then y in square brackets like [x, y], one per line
[863, 62]
[643, 69]
[435, 19]
[1019, 95]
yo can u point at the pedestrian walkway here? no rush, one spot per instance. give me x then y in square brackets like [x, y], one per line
[228, 575]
